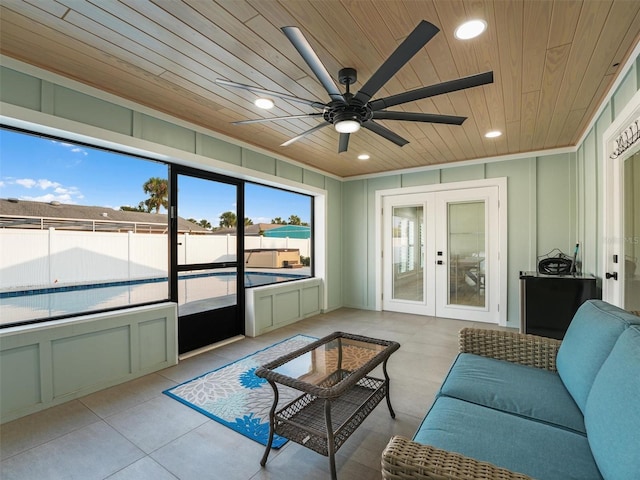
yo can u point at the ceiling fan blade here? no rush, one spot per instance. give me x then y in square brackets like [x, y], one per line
[262, 91]
[385, 132]
[417, 39]
[301, 44]
[419, 117]
[433, 90]
[344, 142]
[304, 134]
[288, 117]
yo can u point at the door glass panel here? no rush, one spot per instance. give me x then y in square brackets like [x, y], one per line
[408, 258]
[202, 290]
[206, 236]
[466, 247]
[631, 242]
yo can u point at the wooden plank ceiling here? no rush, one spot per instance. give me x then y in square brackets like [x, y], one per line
[553, 63]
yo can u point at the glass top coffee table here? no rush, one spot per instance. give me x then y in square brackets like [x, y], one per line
[336, 392]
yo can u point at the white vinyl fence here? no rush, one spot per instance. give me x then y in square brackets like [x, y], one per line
[37, 258]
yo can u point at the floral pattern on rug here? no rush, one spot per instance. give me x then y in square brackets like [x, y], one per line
[235, 397]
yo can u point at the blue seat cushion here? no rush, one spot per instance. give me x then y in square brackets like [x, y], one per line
[526, 391]
[612, 416]
[509, 441]
[593, 331]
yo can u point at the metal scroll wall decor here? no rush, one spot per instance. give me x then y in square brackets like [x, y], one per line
[624, 141]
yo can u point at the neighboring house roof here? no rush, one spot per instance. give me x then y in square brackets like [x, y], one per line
[29, 214]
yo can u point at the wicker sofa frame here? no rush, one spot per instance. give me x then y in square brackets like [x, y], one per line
[404, 459]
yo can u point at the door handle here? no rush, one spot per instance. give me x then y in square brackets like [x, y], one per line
[613, 275]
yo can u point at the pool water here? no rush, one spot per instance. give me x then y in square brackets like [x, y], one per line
[43, 303]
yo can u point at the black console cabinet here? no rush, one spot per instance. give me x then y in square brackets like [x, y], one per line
[548, 302]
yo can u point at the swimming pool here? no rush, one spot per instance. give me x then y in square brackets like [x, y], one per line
[213, 287]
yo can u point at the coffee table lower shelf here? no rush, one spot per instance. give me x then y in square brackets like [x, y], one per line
[305, 419]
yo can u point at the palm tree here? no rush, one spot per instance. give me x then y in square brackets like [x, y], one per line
[204, 223]
[228, 219]
[278, 221]
[248, 221]
[158, 190]
[294, 220]
[140, 208]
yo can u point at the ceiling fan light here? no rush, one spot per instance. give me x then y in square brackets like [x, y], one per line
[493, 134]
[470, 29]
[347, 126]
[265, 103]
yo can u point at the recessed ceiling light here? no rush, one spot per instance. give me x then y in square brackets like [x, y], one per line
[265, 103]
[363, 156]
[470, 29]
[493, 134]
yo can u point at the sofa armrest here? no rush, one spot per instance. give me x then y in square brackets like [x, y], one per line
[530, 350]
[404, 459]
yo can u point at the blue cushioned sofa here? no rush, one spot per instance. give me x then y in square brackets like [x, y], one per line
[517, 406]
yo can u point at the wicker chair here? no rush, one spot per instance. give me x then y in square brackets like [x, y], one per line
[404, 459]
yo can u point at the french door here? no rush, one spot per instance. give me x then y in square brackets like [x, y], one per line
[206, 276]
[441, 254]
[620, 265]
[621, 284]
[630, 278]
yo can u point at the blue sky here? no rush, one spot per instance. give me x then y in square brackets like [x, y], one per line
[34, 168]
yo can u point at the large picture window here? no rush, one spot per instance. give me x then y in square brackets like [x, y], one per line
[84, 229]
[81, 229]
[278, 235]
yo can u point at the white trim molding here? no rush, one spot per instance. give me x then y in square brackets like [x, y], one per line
[613, 199]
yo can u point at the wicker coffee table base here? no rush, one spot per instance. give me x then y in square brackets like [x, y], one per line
[324, 424]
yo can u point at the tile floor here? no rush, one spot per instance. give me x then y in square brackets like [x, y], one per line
[133, 431]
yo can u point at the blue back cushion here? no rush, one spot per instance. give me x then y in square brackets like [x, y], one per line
[530, 392]
[593, 332]
[612, 417]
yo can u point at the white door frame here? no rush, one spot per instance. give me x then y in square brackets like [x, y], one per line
[613, 226]
[501, 183]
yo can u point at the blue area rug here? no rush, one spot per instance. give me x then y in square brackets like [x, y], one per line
[234, 396]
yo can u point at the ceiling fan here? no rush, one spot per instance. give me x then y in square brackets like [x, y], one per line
[348, 112]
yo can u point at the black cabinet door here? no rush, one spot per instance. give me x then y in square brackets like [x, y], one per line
[548, 303]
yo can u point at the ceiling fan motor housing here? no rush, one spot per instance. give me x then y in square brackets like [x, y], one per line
[337, 111]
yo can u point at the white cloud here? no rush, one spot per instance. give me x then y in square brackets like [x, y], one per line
[43, 183]
[50, 197]
[56, 191]
[26, 182]
[80, 150]
[72, 147]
